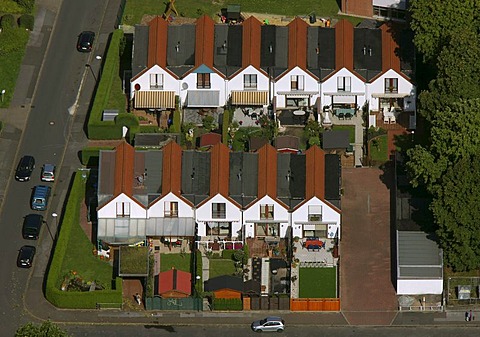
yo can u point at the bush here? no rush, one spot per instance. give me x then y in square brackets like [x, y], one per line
[227, 304]
[126, 119]
[26, 21]
[27, 5]
[7, 22]
[225, 125]
[208, 123]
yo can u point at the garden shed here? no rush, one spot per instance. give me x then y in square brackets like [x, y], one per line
[225, 286]
[174, 284]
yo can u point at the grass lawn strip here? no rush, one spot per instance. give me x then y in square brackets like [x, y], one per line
[177, 261]
[318, 282]
[379, 152]
[219, 267]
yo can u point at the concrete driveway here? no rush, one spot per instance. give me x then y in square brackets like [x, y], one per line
[367, 292]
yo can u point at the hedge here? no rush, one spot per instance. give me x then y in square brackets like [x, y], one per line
[227, 304]
[7, 22]
[26, 21]
[74, 300]
[90, 155]
[225, 125]
[98, 129]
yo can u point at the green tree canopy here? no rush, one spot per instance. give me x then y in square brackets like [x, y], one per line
[46, 329]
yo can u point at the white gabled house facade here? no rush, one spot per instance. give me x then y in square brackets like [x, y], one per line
[343, 87]
[249, 86]
[203, 88]
[171, 206]
[316, 218]
[266, 218]
[296, 88]
[219, 217]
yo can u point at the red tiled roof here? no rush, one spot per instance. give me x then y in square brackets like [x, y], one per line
[210, 139]
[157, 42]
[390, 59]
[297, 44]
[172, 169]
[219, 170]
[204, 44]
[252, 31]
[174, 279]
[344, 45]
[267, 171]
[124, 168]
[315, 175]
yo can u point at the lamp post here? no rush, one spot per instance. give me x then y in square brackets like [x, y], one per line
[54, 216]
[3, 94]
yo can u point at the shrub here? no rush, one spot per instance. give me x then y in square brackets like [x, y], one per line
[27, 5]
[208, 123]
[227, 304]
[26, 21]
[126, 119]
[7, 22]
[225, 126]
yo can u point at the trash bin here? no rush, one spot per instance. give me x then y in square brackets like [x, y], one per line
[313, 18]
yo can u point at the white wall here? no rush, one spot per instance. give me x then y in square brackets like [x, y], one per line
[329, 215]
[280, 213]
[109, 210]
[400, 4]
[170, 83]
[217, 82]
[419, 287]
[233, 215]
[236, 82]
[330, 85]
[404, 87]
[157, 210]
[284, 84]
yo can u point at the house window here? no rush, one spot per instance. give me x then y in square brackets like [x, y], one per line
[267, 229]
[344, 83]
[297, 82]
[203, 81]
[315, 213]
[156, 81]
[219, 228]
[391, 85]
[250, 81]
[123, 209]
[171, 209]
[266, 212]
[219, 210]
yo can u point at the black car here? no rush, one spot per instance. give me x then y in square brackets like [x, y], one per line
[85, 41]
[25, 256]
[25, 168]
[32, 224]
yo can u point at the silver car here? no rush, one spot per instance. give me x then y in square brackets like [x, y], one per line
[271, 323]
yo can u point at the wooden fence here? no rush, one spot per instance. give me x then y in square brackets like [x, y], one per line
[188, 303]
[315, 304]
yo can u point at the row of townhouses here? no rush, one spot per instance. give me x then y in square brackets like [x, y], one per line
[211, 65]
[217, 194]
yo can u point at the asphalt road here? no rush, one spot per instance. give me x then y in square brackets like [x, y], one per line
[291, 331]
[45, 137]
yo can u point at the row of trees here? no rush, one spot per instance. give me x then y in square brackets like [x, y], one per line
[447, 160]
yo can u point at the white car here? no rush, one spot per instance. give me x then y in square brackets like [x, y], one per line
[48, 172]
[271, 323]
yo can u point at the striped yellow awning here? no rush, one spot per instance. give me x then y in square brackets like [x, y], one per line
[155, 99]
[250, 97]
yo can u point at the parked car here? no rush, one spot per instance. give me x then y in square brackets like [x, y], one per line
[85, 41]
[25, 168]
[32, 224]
[48, 172]
[40, 197]
[271, 323]
[25, 256]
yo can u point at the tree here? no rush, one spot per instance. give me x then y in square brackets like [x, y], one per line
[456, 210]
[46, 329]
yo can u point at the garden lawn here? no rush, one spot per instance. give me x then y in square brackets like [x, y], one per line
[179, 261]
[135, 9]
[219, 267]
[379, 151]
[318, 282]
[351, 130]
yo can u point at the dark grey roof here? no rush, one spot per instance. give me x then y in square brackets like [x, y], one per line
[243, 185]
[106, 177]
[321, 51]
[195, 175]
[368, 23]
[418, 256]
[224, 282]
[291, 178]
[221, 45]
[336, 139]
[140, 49]
[181, 45]
[153, 171]
[274, 47]
[367, 52]
[227, 57]
[333, 178]
[139, 189]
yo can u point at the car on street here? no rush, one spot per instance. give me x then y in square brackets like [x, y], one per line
[25, 168]
[271, 323]
[48, 172]
[25, 256]
[32, 224]
[85, 41]
[40, 197]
